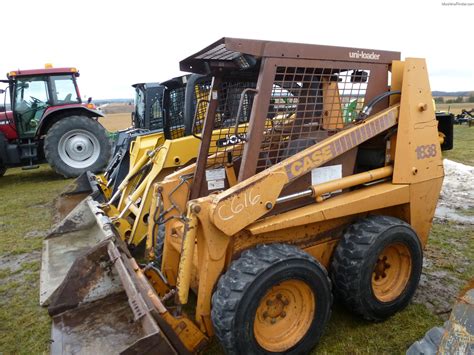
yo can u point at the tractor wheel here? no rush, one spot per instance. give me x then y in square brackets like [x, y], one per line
[273, 299]
[377, 266]
[77, 144]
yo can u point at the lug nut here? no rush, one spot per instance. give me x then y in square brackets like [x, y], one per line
[269, 302]
[273, 321]
[279, 296]
[286, 302]
[283, 314]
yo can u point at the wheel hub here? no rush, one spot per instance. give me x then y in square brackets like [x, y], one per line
[381, 268]
[79, 148]
[284, 315]
[391, 272]
[275, 309]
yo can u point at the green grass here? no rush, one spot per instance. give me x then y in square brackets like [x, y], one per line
[26, 207]
[347, 333]
[463, 151]
[453, 245]
[27, 198]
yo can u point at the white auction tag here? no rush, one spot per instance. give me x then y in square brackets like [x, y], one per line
[215, 174]
[215, 184]
[325, 174]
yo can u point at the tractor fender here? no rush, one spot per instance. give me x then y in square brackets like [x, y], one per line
[54, 114]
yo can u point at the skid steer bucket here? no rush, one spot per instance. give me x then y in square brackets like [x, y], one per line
[105, 304]
[76, 233]
[76, 192]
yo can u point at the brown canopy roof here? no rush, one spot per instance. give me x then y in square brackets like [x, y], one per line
[225, 51]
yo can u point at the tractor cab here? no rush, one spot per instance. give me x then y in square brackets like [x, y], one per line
[34, 92]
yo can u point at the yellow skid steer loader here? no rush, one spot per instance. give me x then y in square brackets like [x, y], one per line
[272, 219]
[128, 203]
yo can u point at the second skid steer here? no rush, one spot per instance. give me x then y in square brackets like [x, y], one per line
[300, 204]
[151, 159]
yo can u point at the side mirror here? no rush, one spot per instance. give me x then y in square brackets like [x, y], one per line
[2, 91]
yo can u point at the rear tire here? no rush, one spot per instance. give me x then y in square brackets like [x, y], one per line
[377, 266]
[273, 299]
[77, 144]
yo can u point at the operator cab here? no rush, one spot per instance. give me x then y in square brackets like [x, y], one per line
[34, 91]
[148, 113]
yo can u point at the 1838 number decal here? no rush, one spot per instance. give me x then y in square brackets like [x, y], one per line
[425, 151]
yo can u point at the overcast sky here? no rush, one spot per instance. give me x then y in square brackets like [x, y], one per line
[117, 43]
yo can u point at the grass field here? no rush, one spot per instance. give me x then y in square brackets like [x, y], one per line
[25, 216]
[116, 121]
[455, 108]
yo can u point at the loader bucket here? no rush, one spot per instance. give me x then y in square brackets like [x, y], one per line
[74, 235]
[105, 305]
[84, 185]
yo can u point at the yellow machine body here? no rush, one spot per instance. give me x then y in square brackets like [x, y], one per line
[255, 191]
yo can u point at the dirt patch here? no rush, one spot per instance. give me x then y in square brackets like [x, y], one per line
[14, 262]
[441, 280]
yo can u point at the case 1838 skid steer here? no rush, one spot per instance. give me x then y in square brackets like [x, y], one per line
[299, 201]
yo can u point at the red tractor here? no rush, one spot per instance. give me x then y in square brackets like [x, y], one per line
[48, 121]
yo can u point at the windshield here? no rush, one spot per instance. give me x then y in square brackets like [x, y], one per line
[31, 91]
[139, 106]
[31, 99]
[64, 89]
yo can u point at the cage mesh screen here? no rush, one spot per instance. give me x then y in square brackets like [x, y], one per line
[230, 131]
[176, 112]
[200, 104]
[156, 112]
[306, 106]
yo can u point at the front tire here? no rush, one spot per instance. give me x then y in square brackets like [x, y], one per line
[377, 266]
[273, 299]
[77, 144]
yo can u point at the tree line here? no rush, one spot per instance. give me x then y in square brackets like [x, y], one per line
[457, 100]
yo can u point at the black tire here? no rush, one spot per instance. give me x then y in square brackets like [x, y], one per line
[248, 279]
[77, 135]
[356, 257]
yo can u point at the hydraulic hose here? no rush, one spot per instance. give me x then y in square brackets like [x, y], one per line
[368, 108]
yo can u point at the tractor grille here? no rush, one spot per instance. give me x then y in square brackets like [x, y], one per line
[306, 106]
[230, 131]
